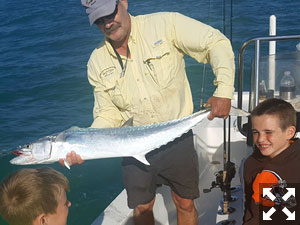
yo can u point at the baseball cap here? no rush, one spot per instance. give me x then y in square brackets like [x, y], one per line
[98, 8]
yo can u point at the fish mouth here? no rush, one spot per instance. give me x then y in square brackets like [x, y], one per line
[21, 160]
[17, 152]
[22, 157]
[24, 151]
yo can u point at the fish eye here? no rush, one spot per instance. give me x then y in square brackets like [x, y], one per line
[27, 146]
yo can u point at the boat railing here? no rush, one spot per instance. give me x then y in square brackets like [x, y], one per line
[257, 42]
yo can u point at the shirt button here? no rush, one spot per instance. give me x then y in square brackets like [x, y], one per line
[145, 99]
[138, 80]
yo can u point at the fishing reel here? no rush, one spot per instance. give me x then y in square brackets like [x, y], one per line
[220, 182]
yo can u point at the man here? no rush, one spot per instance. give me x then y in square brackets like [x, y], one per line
[138, 71]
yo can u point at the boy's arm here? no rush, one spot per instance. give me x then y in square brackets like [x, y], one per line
[247, 206]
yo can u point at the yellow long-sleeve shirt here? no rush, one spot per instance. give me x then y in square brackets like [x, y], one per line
[155, 87]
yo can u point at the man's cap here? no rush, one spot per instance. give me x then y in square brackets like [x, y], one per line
[98, 8]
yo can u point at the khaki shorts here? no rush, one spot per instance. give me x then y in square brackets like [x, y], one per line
[174, 164]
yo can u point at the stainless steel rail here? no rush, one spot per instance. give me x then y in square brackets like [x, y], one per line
[257, 42]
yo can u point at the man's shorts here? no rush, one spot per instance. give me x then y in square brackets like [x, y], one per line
[174, 164]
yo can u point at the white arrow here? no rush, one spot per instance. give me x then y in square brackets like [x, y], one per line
[267, 216]
[291, 216]
[266, 192]
[291, 192]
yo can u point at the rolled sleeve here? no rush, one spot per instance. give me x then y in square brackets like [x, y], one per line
[222, 62]
[207, 45]
[105, 113]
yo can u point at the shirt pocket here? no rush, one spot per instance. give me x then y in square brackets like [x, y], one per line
[115, 87]
[158, 63]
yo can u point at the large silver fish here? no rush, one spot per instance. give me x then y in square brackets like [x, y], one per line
[93, 143]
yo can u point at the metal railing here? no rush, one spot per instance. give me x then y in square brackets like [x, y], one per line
[257, 42]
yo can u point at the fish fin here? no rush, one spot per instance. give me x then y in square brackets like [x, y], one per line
[128, 123]
[238, 112]
[60, 137]
[142, 159]
[67, 164]
[74, 128]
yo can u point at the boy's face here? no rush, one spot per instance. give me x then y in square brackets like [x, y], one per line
[62, 211]
[268, 136]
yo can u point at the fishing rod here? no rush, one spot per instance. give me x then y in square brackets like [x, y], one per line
[229, 167]
[225, 176]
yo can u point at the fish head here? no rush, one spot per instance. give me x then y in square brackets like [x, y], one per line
[34, 153]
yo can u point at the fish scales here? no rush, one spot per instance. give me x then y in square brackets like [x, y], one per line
[94, 143]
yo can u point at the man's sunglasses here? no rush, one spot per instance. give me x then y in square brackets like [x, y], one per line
[101, 20]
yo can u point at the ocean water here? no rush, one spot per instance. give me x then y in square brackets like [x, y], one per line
[44, 48]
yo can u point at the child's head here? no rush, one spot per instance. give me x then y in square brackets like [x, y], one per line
[273, 125]
[34, 196]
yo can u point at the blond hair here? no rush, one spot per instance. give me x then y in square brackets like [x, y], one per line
[28, 193]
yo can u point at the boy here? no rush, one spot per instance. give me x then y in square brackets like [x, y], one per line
[35, 197]
[274, 163]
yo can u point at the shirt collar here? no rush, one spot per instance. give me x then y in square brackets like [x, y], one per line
[133, 33]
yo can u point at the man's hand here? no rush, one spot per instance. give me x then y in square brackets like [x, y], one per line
[220, 107]
[72, 159]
